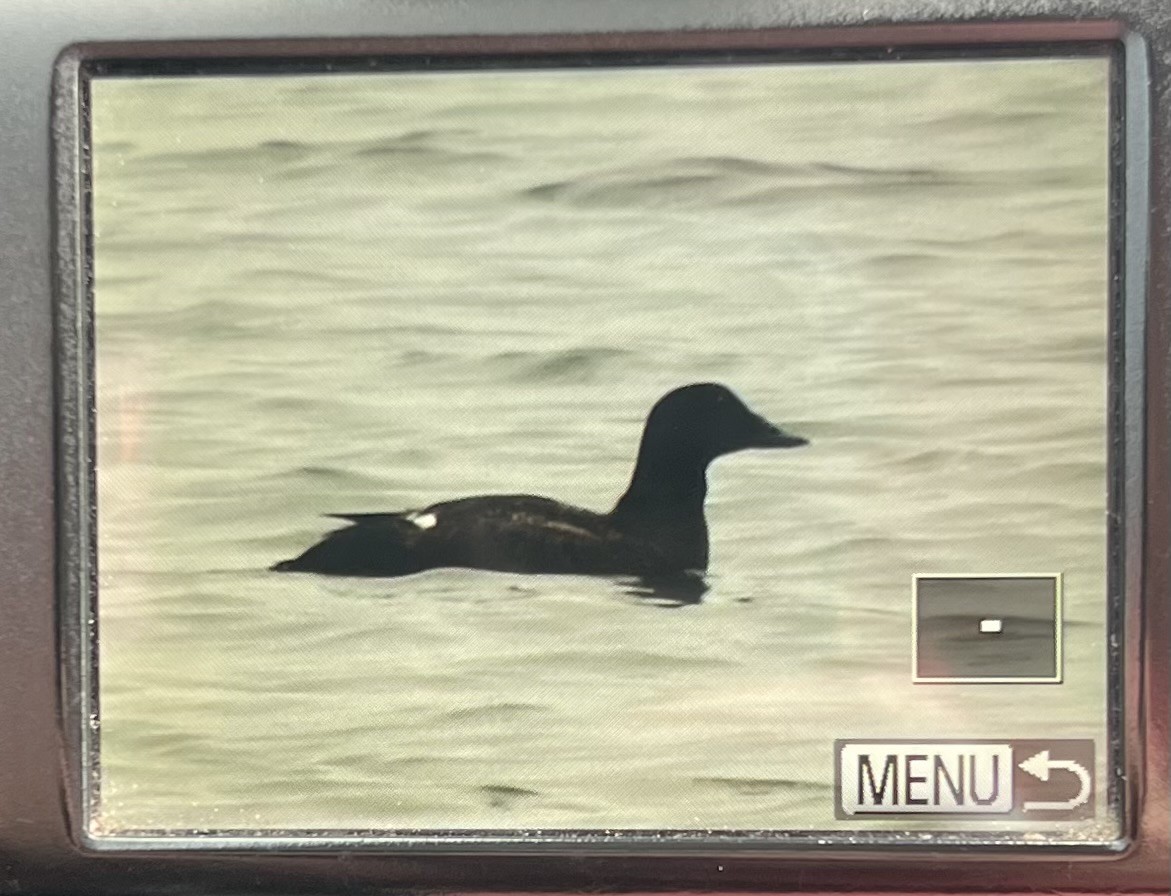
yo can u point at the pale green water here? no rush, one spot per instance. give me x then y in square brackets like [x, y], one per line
[371, 293]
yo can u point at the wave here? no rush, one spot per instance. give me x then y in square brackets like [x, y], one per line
[503, 796]
[761, 786]
[730, 180]
[702, 180]
[573, 365]
[495, 712]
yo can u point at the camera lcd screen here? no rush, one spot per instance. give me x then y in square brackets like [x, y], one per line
[707, 447]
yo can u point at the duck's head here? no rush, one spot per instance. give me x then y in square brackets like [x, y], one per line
[707, 420]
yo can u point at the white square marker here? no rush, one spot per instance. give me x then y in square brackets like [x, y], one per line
[955, 617]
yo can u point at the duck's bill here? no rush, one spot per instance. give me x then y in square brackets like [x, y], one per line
[774, 437]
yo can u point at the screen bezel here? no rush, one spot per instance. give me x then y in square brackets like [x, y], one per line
[38, 777]
[81, 600]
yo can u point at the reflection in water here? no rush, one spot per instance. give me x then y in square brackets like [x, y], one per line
[679, 590]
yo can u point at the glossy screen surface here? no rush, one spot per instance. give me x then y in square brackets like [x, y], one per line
[343, 293]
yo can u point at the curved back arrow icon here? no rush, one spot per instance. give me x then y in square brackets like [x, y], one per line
[1039, 765]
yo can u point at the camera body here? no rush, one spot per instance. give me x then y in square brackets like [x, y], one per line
[449, 242]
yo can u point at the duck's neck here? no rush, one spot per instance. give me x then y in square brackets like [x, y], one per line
[664, 503]
[669, 488]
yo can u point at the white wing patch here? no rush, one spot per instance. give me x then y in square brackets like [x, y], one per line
[423, 520]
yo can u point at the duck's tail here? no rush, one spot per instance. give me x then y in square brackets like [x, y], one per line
[373, 545]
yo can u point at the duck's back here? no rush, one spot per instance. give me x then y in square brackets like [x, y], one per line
[507, 533]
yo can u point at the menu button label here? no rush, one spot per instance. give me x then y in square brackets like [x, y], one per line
[925, 778]
[1037, 780]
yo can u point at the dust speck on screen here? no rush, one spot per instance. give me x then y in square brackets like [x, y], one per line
[687, 447]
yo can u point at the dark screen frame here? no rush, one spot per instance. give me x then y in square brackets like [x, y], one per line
[79, 595]
[42, 553]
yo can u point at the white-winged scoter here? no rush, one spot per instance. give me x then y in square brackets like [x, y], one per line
[657, 528]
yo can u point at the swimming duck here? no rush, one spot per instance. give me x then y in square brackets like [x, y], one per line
[656, 529]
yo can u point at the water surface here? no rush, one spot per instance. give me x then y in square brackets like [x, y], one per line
[361, 293]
